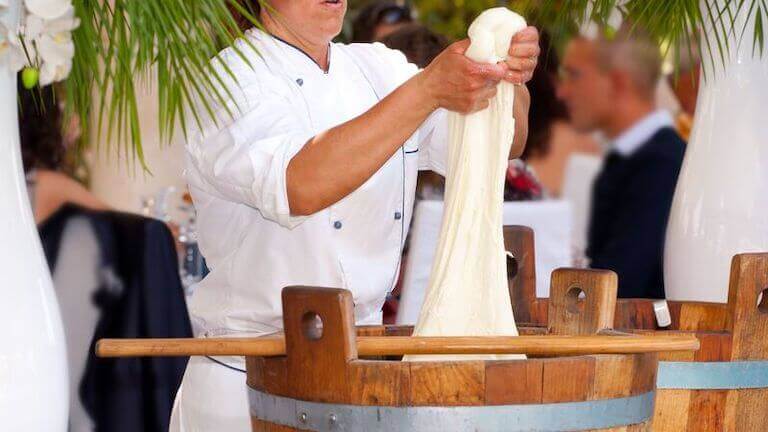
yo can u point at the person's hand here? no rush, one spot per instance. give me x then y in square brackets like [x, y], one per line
[523, 56]
[454, 82]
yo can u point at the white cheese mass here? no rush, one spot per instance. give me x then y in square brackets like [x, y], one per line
[467, 293]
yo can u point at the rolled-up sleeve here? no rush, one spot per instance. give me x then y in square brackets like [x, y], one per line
[432, 135]
[242, 153]
[433, 142]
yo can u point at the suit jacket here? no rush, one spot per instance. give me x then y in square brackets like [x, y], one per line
[140, 296]
[631, 201]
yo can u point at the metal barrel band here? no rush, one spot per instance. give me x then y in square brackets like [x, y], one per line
[712, 375]
[567, 416]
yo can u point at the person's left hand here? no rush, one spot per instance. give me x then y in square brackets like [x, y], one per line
[523, 56]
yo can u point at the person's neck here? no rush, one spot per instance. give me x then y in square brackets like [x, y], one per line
[626, 115]
[278, 27]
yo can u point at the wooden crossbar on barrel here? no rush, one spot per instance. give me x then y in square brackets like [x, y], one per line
[324, 383]
[721, 387]
[400, 345]
[334, 376]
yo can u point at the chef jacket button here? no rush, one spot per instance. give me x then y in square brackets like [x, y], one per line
[300, 81]
[398, 215]
[337, 224]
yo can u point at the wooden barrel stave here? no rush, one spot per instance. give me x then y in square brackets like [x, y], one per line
[723, 403]
[728, 333]
[537, 382]
[328, 372]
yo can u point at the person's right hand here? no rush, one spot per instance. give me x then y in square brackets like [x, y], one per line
[456, 83]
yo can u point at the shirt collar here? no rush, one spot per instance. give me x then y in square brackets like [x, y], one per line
[301, 51]
[639, 133]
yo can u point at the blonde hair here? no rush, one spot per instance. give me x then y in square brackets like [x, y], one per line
[633, 51]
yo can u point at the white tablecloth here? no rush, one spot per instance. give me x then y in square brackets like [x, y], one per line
[580, 173]
[550, 220]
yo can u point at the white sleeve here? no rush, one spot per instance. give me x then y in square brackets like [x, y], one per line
[243, 157]
[432, 135]
[396, 65]
[433, 142]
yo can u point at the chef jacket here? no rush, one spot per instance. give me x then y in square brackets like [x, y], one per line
[278, 98]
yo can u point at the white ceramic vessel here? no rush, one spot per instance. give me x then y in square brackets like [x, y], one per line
[33, 369]
[721, 202]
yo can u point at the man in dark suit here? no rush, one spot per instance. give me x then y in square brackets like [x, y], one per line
[609, 86]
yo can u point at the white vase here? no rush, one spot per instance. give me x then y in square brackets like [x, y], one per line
[721, 201]
[33, 368]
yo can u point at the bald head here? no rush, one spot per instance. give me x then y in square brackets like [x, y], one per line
[606, 82]
[634, 53]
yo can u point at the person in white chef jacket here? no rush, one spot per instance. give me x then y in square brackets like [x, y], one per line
[307, 177]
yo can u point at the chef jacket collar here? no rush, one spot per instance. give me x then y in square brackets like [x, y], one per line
[305, 53]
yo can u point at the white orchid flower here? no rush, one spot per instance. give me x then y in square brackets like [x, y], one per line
[45, 44]
[3, 31]
[4, 44]
[11, 50]
[50, 72]
[55, 47]
[48, 9]
[36, 26]
[53, 41]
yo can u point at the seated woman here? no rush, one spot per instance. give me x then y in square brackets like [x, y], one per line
[104, 287]
[44, 141]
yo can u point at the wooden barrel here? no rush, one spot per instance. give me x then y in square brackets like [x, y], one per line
[724, 385]
[721, 387]
[630, 313]
[323, 385]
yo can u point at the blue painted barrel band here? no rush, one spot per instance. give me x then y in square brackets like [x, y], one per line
[568, 416]
[712, 375]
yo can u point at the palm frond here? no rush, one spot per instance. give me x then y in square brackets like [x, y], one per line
[122, 44]
[676, 23]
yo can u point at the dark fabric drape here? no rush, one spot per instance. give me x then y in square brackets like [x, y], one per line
[140, 296]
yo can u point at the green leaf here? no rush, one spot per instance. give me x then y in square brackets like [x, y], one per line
[123, 47]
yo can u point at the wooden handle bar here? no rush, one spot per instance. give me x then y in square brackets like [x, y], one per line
[400, 345]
